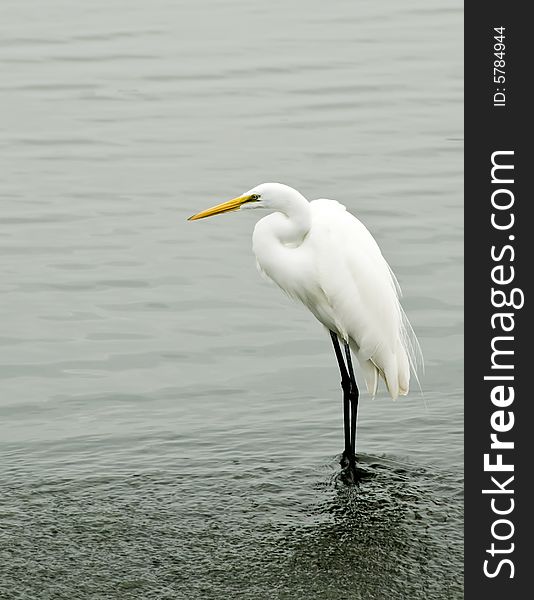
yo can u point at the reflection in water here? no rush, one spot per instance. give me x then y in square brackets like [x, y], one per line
[249, 531]
[386, 537]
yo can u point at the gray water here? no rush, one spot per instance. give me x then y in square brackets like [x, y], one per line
[170, 423]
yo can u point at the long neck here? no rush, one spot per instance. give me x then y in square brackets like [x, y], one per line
[276, 241]
[293, 222]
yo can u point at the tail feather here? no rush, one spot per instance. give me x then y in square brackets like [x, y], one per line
[370, 374]
[394, 369]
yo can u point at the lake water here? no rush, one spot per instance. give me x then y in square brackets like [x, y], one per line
[170, 423]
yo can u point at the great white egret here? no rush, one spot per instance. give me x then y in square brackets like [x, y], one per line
[323, 256]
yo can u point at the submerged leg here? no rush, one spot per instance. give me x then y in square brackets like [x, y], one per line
[354, 396]
[346, 386]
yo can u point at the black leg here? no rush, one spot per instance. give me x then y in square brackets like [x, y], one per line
[346, 386]
[354, 396]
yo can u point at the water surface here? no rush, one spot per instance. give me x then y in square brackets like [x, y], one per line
[169, 422]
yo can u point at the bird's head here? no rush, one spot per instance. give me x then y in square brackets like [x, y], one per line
[273, 196]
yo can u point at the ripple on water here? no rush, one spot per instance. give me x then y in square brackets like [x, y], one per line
[165, 416]
[251, 531]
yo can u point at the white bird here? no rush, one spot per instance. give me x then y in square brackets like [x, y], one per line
[323, 256]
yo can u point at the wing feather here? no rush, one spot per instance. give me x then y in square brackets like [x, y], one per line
[363, 295]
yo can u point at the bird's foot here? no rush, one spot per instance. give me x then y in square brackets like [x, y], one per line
[349, 470]
[347, 458]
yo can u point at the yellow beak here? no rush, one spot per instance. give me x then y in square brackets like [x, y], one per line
[233, 204]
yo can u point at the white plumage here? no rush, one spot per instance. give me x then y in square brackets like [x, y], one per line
[323, 256]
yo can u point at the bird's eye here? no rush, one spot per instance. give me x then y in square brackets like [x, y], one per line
[254, 198]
